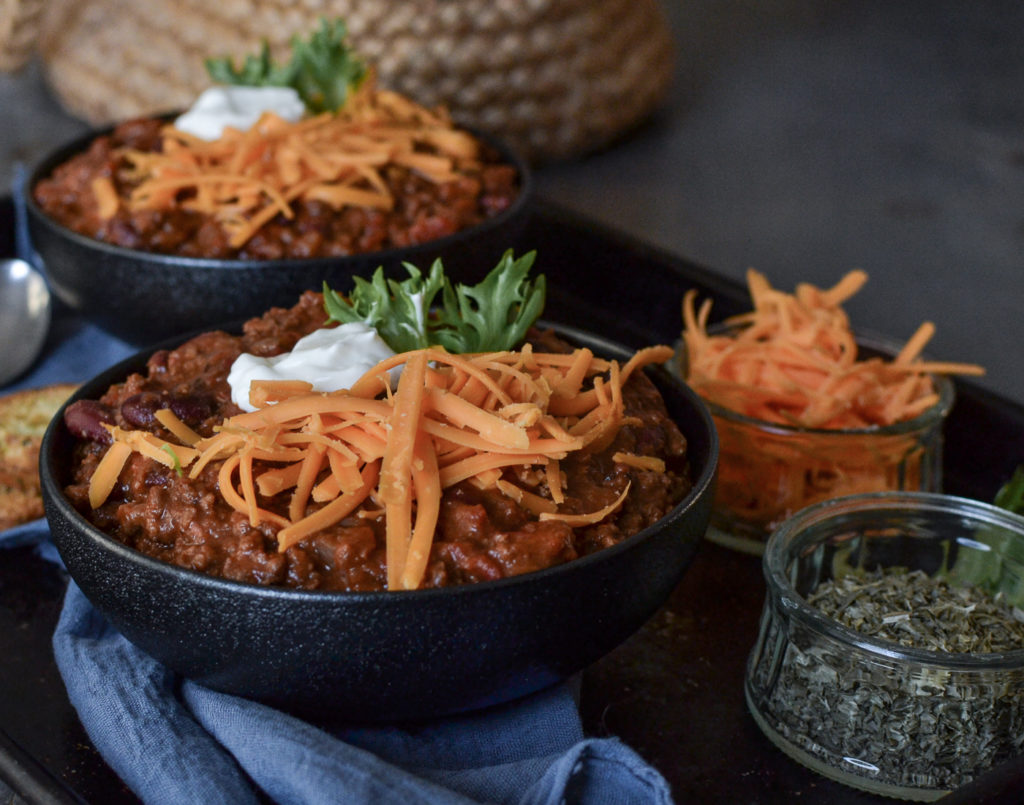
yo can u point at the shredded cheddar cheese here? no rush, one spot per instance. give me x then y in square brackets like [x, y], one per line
[243, 179]
[793, 361]
[373, 452]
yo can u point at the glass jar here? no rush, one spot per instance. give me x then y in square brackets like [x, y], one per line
[905, 722]
[768, 471]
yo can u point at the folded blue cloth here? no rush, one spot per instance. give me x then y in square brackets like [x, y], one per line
[173, 741]
[36, 533]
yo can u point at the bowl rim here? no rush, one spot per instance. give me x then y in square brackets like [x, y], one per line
[795, 605]
[50, 161]
[932, 415]
[702, 487]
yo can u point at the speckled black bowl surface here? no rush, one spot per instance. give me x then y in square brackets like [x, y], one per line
[144, 297]
[386, 655]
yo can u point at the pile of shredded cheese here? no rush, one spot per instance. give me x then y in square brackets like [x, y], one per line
[793, 361]
[245, 178]
[371, 452]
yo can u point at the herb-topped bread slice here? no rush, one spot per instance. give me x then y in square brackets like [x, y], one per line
[24, 417]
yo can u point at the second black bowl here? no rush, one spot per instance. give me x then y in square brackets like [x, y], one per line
[144, 297]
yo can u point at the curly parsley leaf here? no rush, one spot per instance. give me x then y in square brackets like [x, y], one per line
[256, 71]
[398, 311]
[491, 316]
[323, 70]
[495, 314]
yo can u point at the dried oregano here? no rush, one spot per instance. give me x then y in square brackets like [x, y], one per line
[898, 722]
[921, 611]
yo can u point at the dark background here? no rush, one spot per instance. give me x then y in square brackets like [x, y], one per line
[806, 138]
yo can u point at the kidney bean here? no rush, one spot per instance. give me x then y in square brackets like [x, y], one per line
[85, 418]
[192, 408]
[158, 361]
[140, 409]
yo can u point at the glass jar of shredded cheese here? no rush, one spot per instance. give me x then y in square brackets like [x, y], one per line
[768, 471]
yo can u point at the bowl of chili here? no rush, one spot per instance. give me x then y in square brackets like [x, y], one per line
[147, 254]
[380, 653]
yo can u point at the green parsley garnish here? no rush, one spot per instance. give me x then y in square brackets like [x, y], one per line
[323, 70]
[491, 316]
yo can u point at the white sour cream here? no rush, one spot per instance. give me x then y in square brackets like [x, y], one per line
[331, 359]
[238, 107]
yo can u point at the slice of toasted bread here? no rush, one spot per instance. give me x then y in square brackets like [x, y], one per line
[24, 416]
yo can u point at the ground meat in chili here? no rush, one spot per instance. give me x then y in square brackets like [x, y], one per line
[423, 210]
[481, 534]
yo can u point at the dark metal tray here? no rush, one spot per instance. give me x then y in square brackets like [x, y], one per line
[674, 691]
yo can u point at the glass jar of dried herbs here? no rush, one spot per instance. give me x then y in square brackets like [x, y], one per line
[891, 650]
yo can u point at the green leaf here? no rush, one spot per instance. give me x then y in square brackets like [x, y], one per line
[256, 71]
[491, 316]
[323, 70]
[1011, 495]
[327, 69]
[994, 569]
[495, 314]
[399, 311]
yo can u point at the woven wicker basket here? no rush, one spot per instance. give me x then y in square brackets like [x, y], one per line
[554, 78]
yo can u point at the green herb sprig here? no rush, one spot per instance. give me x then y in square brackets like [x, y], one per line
[1011, 494]
[995, 569]
[324, 70]
[491, 316]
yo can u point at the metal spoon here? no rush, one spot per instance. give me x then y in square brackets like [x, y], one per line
[24, 317]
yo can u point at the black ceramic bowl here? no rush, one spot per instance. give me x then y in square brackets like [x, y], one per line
[386, 655]
[144, 297]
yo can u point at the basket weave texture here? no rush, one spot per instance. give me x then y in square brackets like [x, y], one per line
[20, 22]
[553, 78]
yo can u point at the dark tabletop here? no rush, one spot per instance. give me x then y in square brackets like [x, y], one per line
[674, 691]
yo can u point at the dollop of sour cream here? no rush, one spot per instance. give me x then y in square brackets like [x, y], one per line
[330, 359]
[239, 107]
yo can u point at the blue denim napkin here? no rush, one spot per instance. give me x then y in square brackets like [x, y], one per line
[174, 741]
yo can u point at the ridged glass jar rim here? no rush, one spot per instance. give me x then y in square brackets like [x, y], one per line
[795, 537]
